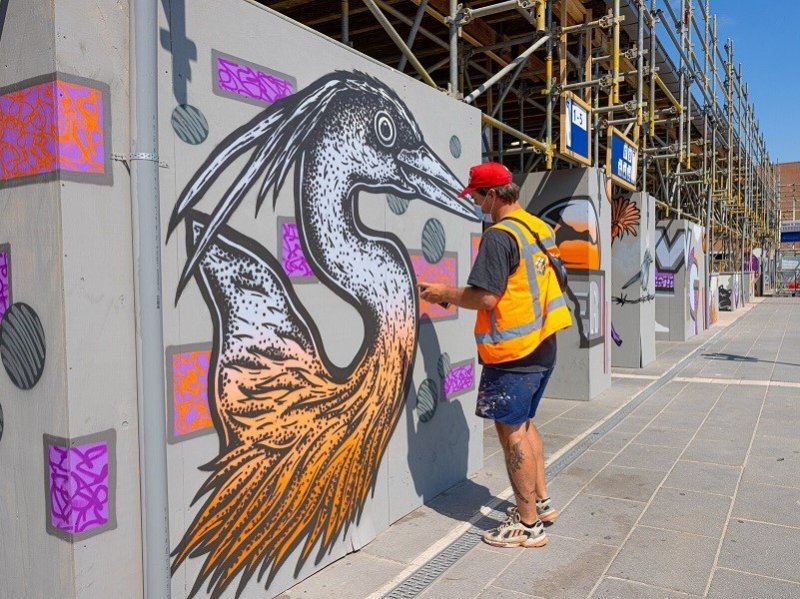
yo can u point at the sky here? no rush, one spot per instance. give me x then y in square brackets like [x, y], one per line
[766, 43]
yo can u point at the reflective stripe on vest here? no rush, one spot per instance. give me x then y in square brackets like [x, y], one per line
[527, 251]
[556, 303]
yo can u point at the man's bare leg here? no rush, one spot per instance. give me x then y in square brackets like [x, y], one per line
[535, 442]
[537, 447]
[522, 467]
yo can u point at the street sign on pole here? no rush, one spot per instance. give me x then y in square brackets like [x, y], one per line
[576, 130]
[790, 231]
[622, 159]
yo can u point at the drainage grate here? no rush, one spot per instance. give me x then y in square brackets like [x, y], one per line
[422, 578]
[430, 571]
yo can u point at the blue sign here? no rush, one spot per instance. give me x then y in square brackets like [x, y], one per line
[577, 129]
[622, 160]
[790, 231]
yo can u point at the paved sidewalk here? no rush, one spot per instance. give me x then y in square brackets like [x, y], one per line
[694, 491]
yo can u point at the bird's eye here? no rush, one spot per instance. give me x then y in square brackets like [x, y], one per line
[385, 129]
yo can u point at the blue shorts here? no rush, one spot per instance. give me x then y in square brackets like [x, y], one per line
[510, 397]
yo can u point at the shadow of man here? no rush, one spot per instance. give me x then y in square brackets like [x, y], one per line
[438, 438]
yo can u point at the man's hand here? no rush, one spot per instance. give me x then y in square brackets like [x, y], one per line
[473, 298]
[435, 293]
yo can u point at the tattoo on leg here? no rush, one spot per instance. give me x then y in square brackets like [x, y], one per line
[514, 457]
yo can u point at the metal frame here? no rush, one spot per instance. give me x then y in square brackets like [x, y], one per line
[655, 70]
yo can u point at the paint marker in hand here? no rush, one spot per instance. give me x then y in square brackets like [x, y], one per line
[423, 287]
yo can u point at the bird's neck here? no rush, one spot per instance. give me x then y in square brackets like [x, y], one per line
[371, 272]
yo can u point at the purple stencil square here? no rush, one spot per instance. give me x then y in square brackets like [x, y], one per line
[665, 280]
[292, 258]
[240, 78]
[461, 377]
[5, 283]
[80, 485]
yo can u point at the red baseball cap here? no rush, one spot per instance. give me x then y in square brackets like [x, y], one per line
[487, 174]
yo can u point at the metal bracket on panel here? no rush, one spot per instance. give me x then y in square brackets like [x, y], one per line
[140, 156]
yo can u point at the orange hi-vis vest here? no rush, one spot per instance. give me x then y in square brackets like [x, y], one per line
[532, 307]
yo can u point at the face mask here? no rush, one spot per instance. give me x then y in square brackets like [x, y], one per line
[483, 204]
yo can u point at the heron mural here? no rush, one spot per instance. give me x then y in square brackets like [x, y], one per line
[300, 439]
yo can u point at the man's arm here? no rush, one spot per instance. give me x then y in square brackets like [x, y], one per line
[473, 298]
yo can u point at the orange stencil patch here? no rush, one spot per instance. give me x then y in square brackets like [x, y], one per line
[445, 271]
[52, 127]
[189, 411]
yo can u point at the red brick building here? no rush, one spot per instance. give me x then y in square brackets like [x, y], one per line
[789, 173]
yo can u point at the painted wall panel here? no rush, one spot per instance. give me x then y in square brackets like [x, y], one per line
[729, 288]
[680, 276]
[633, 281]
[330, 389]
[575, 204]
[69, 442]
[32, 563]
[99, 284]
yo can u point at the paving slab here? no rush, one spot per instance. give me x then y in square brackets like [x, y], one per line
[468, 577]
[563, 569]
[688, 511]
[668, 559]
[780, 422]
[651, 457]
[577, 475]
[420, 528]
[704, 477]
[616, 588]
[654, 434]
[492, 592]
[727, 584]
[570, 427]
[768, 503]
[614, 441]
[602, 520]
[636, 484]
[355, 575]
[682, 419]
[779, 447]
[760, 548]
[773, 471]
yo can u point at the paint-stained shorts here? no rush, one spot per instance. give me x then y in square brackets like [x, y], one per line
[510, 397]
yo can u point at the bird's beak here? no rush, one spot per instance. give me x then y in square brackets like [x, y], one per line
[434, 182]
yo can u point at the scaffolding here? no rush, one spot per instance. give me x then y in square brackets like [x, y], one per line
[654, 70]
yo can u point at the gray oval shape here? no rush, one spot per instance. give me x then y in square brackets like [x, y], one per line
[455, 146]
[427, 398]
[433, 241]
[22, 348]
[444, 365]
[189, 124]
[396, 204]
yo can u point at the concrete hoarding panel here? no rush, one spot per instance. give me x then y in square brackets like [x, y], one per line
[20, 24]
[713, 299]
[680, 288]
[574, 202]
[99, 287]
[317, 385]
[729, 288]
[70, 444]
[633, 280]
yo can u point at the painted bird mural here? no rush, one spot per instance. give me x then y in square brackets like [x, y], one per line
[301, 439]
[643, 276]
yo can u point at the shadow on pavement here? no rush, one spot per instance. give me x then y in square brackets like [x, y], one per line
[739, 358]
